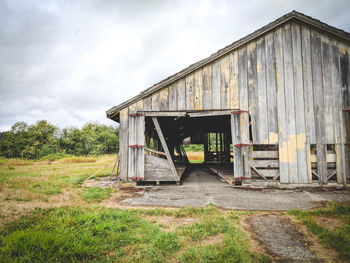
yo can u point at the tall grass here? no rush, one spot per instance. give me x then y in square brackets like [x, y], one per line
[97, 234]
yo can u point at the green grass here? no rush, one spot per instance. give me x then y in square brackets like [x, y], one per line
[96, 193]
[40, 180]
[338, 239]
[97, 234]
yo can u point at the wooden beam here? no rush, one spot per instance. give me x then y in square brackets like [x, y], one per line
[165, 147]
[164, 113]
[258, 172]
[209, 113]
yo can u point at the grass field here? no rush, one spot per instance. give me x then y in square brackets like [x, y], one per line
[46, 215]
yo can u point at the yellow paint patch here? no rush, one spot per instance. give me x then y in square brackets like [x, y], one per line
[273, 137]
[342, 49]
[259, 67]
[287, 152]
[250, 82]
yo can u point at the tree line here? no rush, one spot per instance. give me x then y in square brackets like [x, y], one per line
[42, 139]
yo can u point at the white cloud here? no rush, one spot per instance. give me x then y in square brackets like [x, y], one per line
[69, 61]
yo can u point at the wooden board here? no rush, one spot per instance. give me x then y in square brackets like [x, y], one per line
[300, 129]
[264, 163]
[290, 104]
[307, 84]
[242, 79]
[164, 99]
[181, 94]
[132, 152]
[264, 154]
[123, 144]
[190, 92]
[140, 140]
[281, 108]
[157, 161]
[318, 106]
[155, 101]
[266, 173]
[326, 53]
[224, 82]
[215, 84]
[147, 103]
[233, 81]
[172, 97]
[271, 89]
[207, 91]
[198, 90]
[252, 92]
[159, 176]
[262, 121]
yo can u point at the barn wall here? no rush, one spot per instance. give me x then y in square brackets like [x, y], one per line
[294, 82]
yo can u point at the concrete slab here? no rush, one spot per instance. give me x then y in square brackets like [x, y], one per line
[201, 188]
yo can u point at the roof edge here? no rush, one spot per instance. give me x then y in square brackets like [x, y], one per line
[294, 15]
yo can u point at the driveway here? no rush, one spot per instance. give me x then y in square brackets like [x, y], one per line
[201, 188]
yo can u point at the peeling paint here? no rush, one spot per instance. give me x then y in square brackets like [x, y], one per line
[294, 142]
[342, 49]
[258, 67]
[273, 137]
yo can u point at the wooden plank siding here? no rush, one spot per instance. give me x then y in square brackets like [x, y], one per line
[300, 131]
[294, 83]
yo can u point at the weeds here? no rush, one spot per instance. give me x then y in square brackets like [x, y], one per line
[96, 193]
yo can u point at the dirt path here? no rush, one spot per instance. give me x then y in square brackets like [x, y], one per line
[285, 240]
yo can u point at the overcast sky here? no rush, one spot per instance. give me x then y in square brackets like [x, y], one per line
[69, 61]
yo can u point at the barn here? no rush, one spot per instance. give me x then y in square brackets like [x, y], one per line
[271, 107]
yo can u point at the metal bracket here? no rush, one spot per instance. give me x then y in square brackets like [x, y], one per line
[136, 146]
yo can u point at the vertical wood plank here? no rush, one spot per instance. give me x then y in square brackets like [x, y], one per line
[139, 105]
[318, 106]
[224, 82]
[281, 107]
[233, 81]
[215, 84]
[236, 139]
[155, 101]
[181, 94]
[262, 125]
[290, 103]
[172, 97]
[140, 140]
[326, 56]
[132, 156]
[307, 82]
[123, 144]
[147, 103]
[190, 92]
[164, 99]
[253, 92]
[339, 163]
[302, 172]
[207, 90]
[337, 111]
[271, 89]
[344, 66]
[308, 162]
[198, 90]
[242, 79]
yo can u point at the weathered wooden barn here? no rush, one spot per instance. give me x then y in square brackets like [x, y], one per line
[272, 106]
